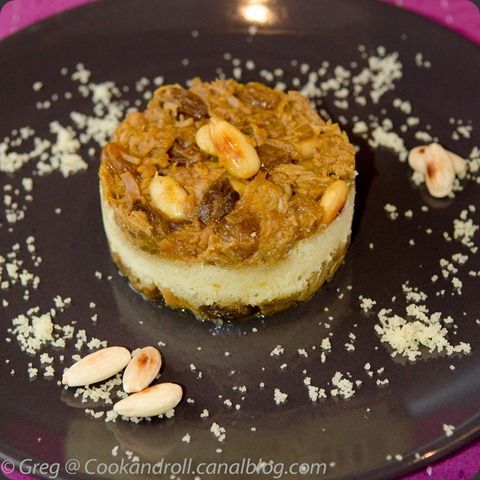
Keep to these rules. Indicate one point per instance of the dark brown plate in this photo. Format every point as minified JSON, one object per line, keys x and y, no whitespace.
{"x":123,"y":41}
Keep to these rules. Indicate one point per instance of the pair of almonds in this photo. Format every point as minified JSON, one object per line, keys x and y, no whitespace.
{"x":139,"y":373}
{"x":140,"y":370}
{"x":218,"y":138}
{"x":439,"y":167}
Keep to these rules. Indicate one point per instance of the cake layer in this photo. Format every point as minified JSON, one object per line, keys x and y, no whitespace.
{"x":218,"y":292}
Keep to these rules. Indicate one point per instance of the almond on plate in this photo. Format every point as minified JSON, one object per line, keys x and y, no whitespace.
{"x":97,"y":366}
{"x":153,"y":401}
{"x":142,"y":369}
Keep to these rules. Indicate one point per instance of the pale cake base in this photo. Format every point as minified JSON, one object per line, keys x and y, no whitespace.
{"x":226,"y":292}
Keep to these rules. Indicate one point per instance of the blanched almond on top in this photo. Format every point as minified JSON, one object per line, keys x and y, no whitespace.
{"x":307,"y":147}
{"x":234,"y":152}
{"x":169,"y":197}
{"x":97,"y":366}
{"x":333,"y":200}
{"x":439,"y":171}
{"x":152,"y":401}
{"x":204,"y":141}
{"x":142,"y":369}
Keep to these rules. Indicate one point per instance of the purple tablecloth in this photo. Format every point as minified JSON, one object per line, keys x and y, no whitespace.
{"x":460,"y":15}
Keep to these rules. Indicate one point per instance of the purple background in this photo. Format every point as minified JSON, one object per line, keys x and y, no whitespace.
{"x":460,"y":15}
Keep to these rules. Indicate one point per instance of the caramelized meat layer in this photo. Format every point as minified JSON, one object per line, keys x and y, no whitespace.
{"x":225,"y":220}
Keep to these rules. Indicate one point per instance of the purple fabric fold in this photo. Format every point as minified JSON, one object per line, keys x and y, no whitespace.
{"x":463,"y":16}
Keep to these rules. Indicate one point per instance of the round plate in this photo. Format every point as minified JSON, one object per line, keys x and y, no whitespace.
{"x":379,"y":432}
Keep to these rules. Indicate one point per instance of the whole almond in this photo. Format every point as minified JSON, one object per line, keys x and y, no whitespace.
{"x":142,"y":369}
{"x":459,"y":164}
{"x":204,"y":141}
{"x":169,"y":197}
{"x":416,"y":158}
{"x":333,"y":200}
{"x":152,"y":401}
{"x":235,"y":153}
{"x":439,"y":171}
{"x":97,"y":366}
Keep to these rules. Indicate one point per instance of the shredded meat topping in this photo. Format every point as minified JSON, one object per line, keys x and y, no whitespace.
{"x":229,"y":221}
